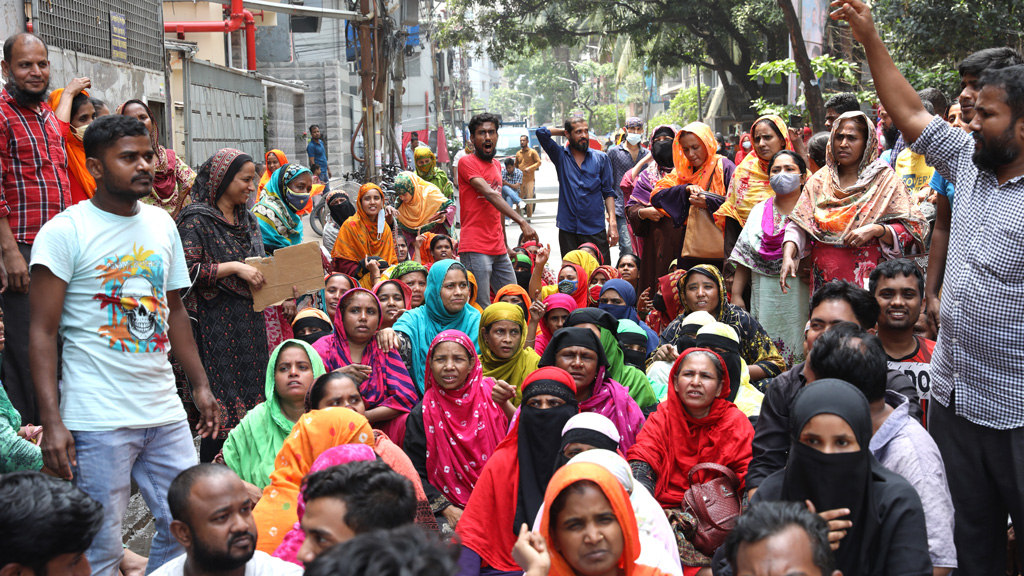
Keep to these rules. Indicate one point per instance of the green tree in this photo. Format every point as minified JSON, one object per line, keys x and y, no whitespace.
{"x":683,"y":108}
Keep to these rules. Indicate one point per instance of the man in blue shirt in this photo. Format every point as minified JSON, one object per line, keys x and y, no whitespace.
{"x":585,"y":190}
{"x":317,"y":151}
{"x":624,"y":157}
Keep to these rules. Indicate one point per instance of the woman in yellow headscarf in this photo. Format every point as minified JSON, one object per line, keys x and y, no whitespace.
{"x":422,"y":208}
{"x":74,"y":115}
{"x":426,"y":168}
{"x":274,"y":160}
{"x":576,"y":259}
{"x":363,"y":237}
{"x":749,"y":185}
{"x":503,"y":351}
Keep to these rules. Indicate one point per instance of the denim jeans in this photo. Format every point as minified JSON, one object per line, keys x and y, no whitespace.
{"x":108,"y":461}
{"x":625,"y":242}
{"x":490,"y":271}
{"x":510,"y":195}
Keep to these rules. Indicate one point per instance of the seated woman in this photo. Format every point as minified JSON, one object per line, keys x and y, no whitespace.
{"x":422,"y":208}
{"x":251,"y":447}
{"x":702,"y":288}
{"x":830,"y":464}
{"x":395,"y":298}
{"x":696,"y":425}
{"x":606,"y":328}
{"x":585,"y":431}
{"x":556,"y":309}
{"x":579,"y":352}
{"x":618,"y":298}
{"x":313,"y":434}
{"x":19,"y":448}
{"x":629,"y":269}
{"x":658,"y":370}
{"x":515,"y":294}
{"x":446,"y":308}
{"x":857,"y":211}
{"x":592,"y":249}
{"x":311,"y":324}
{"x":586,"y":497}
{"x":633,"y":341}
{"x":723,"y":340}
{"x":429,"y":248}
{"x":503,"y":351}
{"x":597,"y":279}
{"x":412,"y":274}
{"x":388,"y":390}
{"x":340,"y":208}
{"x":573,"y":276}
{"x":452,"y":433}
{"x":510,"y":489}
{"x":335,"y":285}
{"x":401,"y":248}
{"x":364,"y":235}
{"x":285,"y":194}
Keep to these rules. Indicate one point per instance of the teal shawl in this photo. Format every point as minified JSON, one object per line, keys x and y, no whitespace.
{"x":280,"y":224}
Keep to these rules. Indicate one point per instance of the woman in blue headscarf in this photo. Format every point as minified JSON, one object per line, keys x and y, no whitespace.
{"x":285,"y":194}
{"x":445,"y":307}
{"x":618,"y":298}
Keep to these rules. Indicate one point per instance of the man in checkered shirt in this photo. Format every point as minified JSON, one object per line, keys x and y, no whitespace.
{"x":977,"y":416}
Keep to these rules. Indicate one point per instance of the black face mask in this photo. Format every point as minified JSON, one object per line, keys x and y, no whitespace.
{"x":891,"y":136}
{"x":340,"y":211}
{"x":312,"y":337}
{"x":523,"y":279}
{"x":662,"y":152}
{"x":659,"y":303}
{"x":635,"y":358}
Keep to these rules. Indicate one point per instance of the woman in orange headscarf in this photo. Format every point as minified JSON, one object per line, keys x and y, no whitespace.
{"x":74,"y":114}
{"x":274,"y":160}
{"x":363,"y":237}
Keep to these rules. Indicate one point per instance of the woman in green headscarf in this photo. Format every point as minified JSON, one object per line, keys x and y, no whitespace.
{"x":253,"y":445}
{"x":285,"y":194}
{"x":426,"y":168}
{"x":422,"y":207}
{"x":635,"y":380}
{"x":503,"y":351}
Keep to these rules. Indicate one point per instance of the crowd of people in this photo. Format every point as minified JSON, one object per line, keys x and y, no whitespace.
{"x":803,"y":360}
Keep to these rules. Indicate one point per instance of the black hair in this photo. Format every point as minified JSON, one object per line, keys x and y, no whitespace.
{"x":769,"y":123}
{"x":1011,"y":80}
{"x":10,"y":42}
{"x":510,"y":161}
{"x":106,"y":130}
{"x":636,"y":259}
{"x":42,"y":517}
{"x":989,"y":59}
{"x":928,"y":106}
{"x":482,"y":118}
{"x":318,"y":390}
{"x":97,"y":103}
{"x":437,"y":238}
{"x":288,"y":345}
{"x":558,"y":504}
{"x":78,"y":101}
{"x":796,"y":158}
{"x":863,"y":303}
{"x":313,"y":126}
{"x":935,"y":96}
{"x":766,"y":519}
{"x":413,"y":134}
{"x":404,"y":551}
{"x":572,"y":120}
{"x":181,"y":487}
{"x":375,"y":496}
{"x":893,"y":268}
{"x":848,"y":352}
{"x":843,"y":102}
{"x":817,"y":146}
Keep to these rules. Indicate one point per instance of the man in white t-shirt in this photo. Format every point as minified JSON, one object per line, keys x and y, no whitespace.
{"x":213,"y":521}
{"x":106,"y":275}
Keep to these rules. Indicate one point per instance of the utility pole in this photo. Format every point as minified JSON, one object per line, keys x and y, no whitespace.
{"x":366,"y":69}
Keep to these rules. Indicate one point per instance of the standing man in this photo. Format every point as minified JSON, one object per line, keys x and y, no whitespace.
{"x":34,"y":188}
{"x":106,"y":276}
{"x":977,"y":410}
{"x":623,"y":158}
{"x":482,"y":250}
{"x":528,"y":161}
{"x":317,"y":151}
{"x":584,"y":188}
{"x":410,"y":151}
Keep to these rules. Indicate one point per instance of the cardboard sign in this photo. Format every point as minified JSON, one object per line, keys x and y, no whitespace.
{"x":299,"y":266}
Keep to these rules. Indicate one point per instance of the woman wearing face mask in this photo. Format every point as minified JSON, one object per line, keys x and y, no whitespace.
{"x":743,"y":149}
{"x":619,"y":299}
{"x":172,"y":179}
{"x":285,"y":194}
{"x":856,"y":211}
{"x":573,"y":277}
{"x":340,"y":208}
{"x":598,"y":279}
{"x":311,"y":324}
{"x":455,"y":430}
{"x":75,"y":111}
{"x":700,"y":180}
{"x":422,"y":207}
{"x":655,"y":238}
{"x":365,"y":234}
{"x":510,"y":489}
{"x":749,"y":186}
{"x":831,"y":466}
{"x":758,"y":259}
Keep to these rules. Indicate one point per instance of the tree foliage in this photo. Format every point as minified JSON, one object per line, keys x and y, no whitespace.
{"x":683,"y":108}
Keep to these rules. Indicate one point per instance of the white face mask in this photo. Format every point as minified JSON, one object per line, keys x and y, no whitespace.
{"x":80,"y":131}
{"x":633,"y":139}
{"x":746,"y":145}
{"x":784,"y":183}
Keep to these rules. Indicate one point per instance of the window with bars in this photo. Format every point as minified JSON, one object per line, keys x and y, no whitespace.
{"x":85,"y":27}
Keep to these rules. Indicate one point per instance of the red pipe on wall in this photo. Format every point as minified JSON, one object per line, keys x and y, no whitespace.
{"x":237,"y":18}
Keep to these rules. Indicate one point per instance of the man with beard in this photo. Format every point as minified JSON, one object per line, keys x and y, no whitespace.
{"x":106,"y":275}
{"x":977,"y":410}
{"x":213,"y":522}
{"x":482,"y":250}
{"x":34,"y":187}
{"x":585,"y":189}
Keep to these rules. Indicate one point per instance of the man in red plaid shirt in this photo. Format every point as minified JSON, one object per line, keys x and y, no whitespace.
{"x":33,"y":188}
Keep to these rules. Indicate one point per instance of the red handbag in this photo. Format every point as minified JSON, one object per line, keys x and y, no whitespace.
{"x":715,"y":505}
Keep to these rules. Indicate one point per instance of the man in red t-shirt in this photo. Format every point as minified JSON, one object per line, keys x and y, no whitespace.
{"x":482,"y":247}
{"x":898,"y":286}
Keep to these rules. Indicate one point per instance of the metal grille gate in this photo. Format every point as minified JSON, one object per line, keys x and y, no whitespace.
{"x":84,"y":26}
{"x":227,"y":111}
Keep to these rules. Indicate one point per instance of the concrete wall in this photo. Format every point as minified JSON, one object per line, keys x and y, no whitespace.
{"x":286,"y":122}
{"x":210,"y":44}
